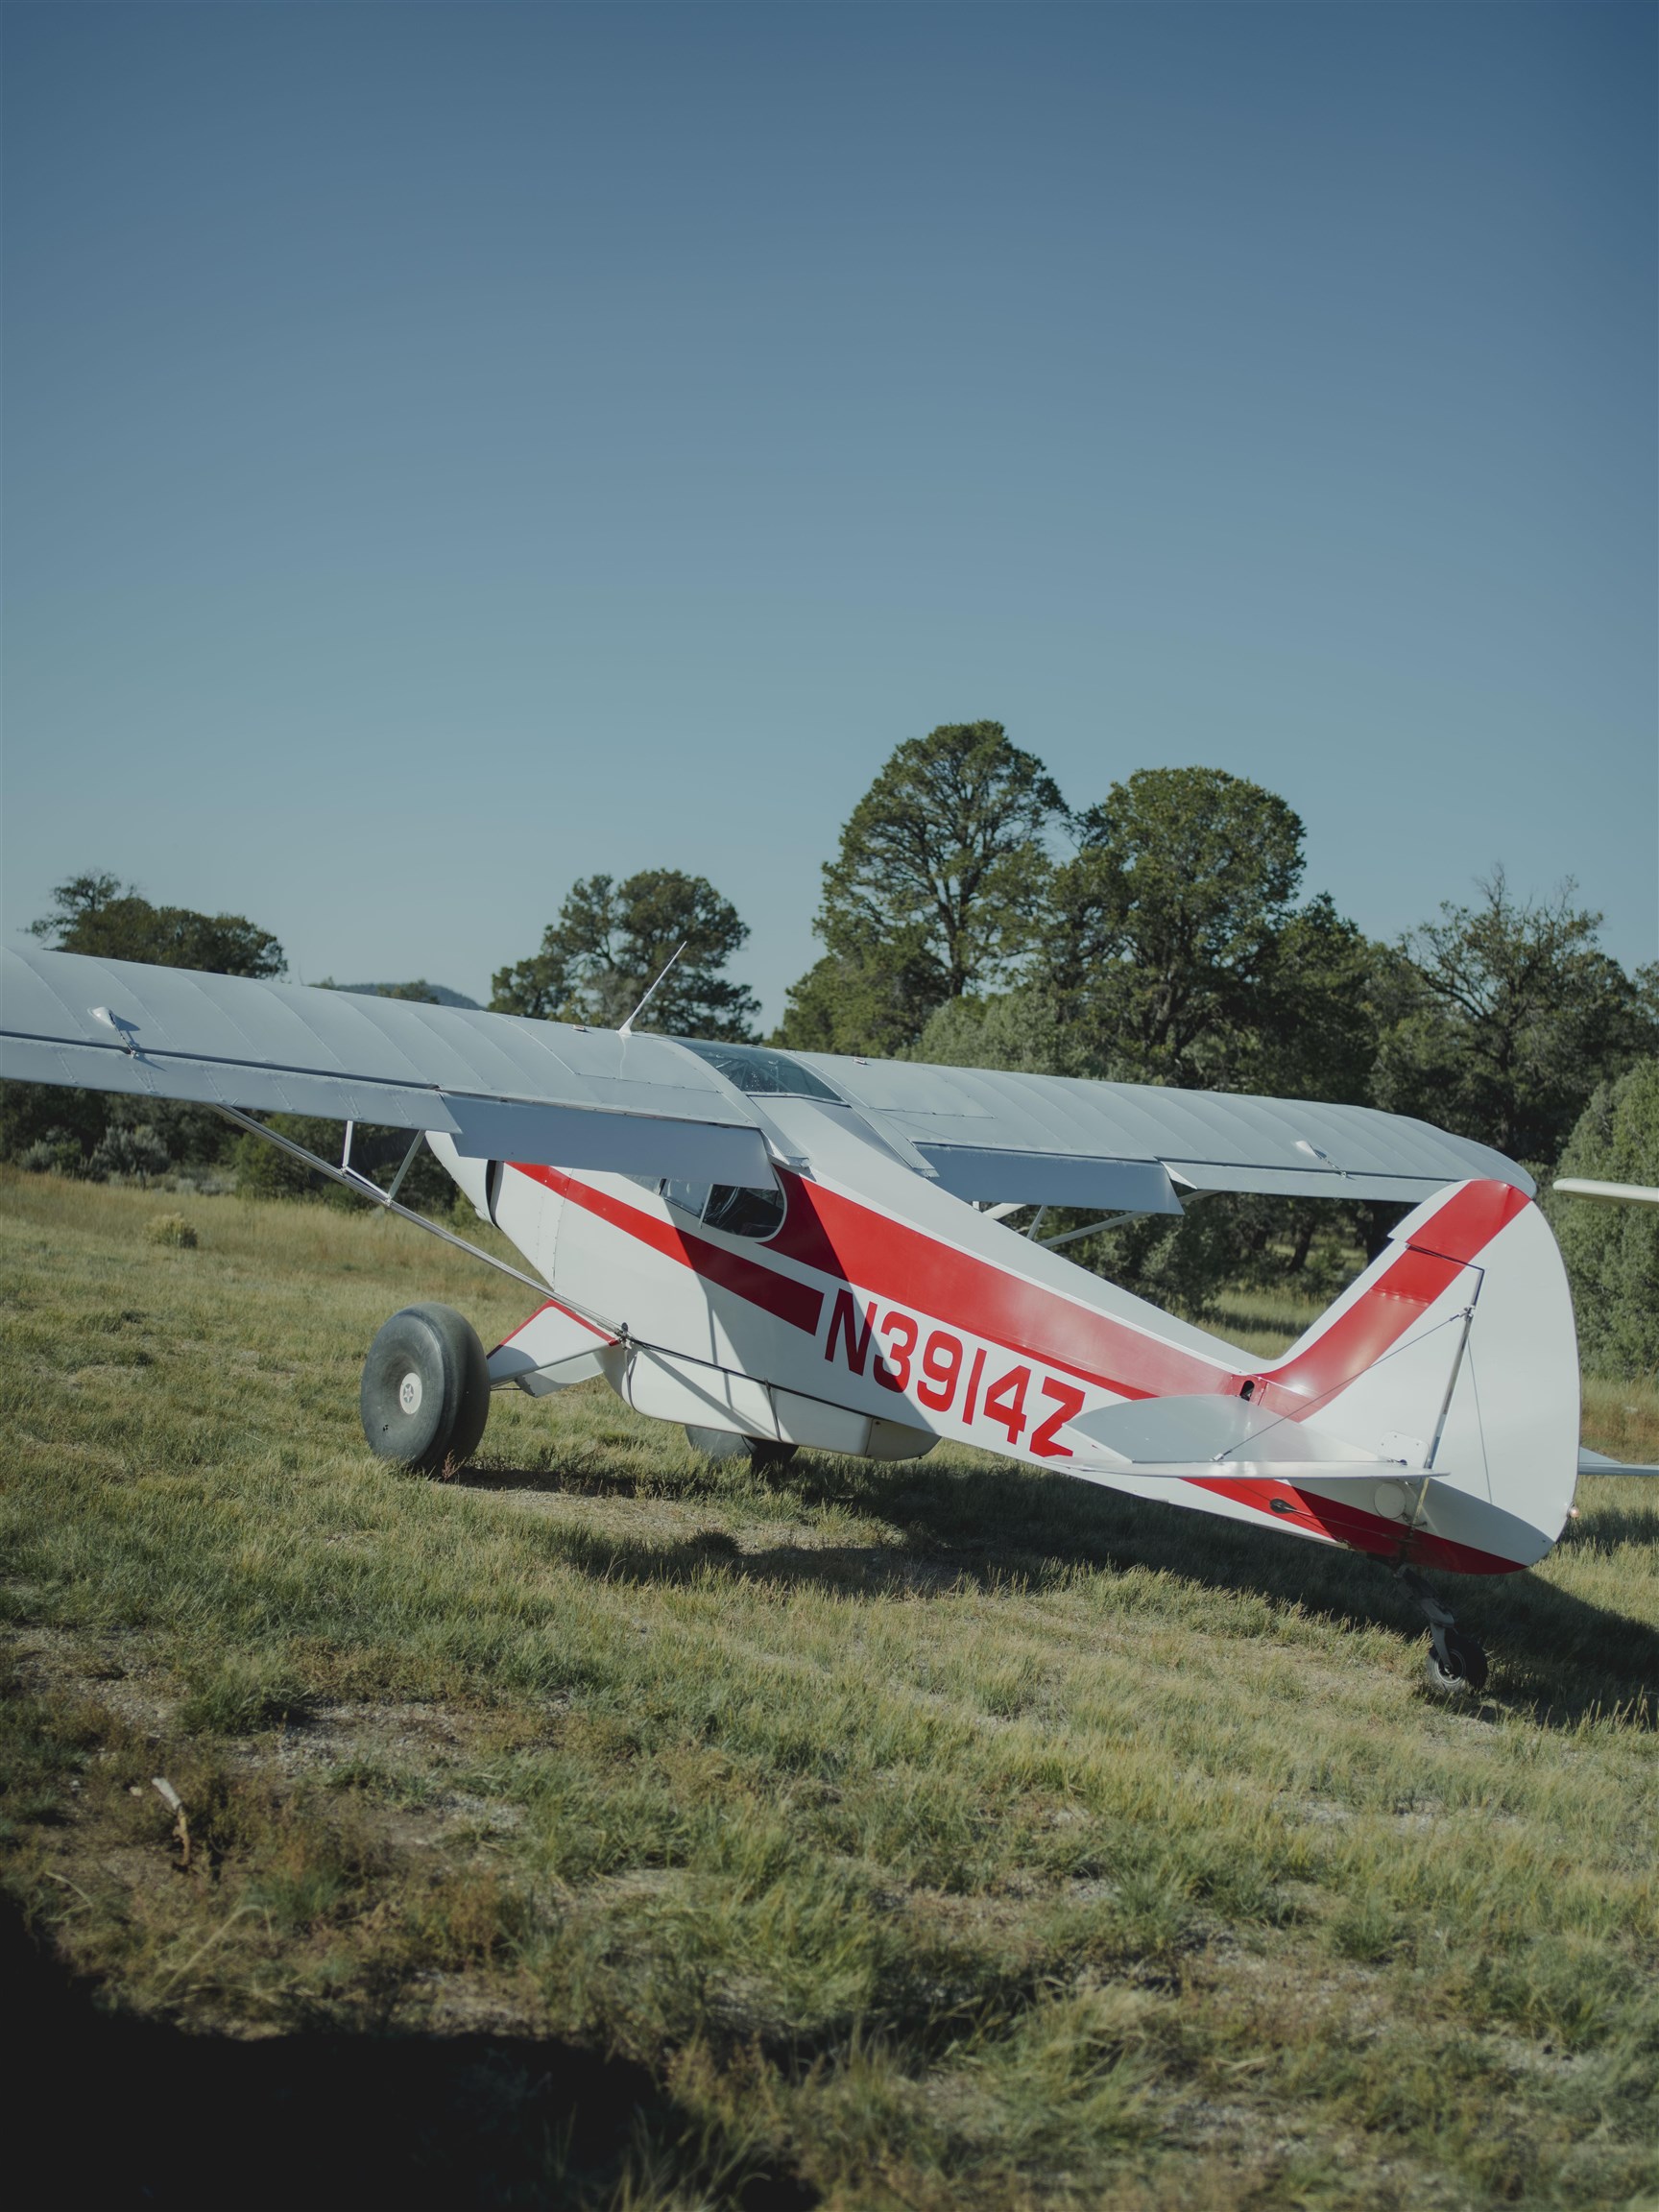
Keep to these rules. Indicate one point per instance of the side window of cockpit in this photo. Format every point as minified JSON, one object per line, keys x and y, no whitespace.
{"x":743,"y":1211}
{"x":735,"y":1209}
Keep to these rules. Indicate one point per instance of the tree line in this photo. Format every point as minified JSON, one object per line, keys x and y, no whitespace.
{"x":969,"y":916}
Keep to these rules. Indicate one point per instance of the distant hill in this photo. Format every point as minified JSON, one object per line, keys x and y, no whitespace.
{"x":429,"y":994}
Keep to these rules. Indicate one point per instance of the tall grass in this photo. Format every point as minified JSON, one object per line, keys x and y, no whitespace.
{"x":932,"y":1834}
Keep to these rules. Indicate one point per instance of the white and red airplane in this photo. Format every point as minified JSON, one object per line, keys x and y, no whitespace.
{"x":780,"y":1250}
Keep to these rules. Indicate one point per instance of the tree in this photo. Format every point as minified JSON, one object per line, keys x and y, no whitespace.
{"x":1175,"y":954}
{"x":89,"y":1132}
{"x":1501,"y":1017}
{"x":93,"y":914}
{"x":875,"y":999}
{"x":611,"y":940}
{"x":1612,"y":1252}
{"x":937,"y":889}
{"x":1171,"y":926}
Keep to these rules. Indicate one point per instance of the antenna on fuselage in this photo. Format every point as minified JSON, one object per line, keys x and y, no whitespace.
{"x":626,"y":1029}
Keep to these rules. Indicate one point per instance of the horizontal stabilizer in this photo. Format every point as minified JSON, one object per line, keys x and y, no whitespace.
{"x":1184,"y":1434}
{"x":1598,"y":1463}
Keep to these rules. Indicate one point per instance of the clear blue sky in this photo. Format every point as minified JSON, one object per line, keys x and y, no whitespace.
{"x":451,"y":449}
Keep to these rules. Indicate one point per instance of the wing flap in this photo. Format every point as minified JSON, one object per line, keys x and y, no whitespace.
{"x":1049,"y":1179}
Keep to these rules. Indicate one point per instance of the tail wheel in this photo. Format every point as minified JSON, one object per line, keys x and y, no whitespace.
{"x":1456,"y":1666}
{"x":425,"y":1394}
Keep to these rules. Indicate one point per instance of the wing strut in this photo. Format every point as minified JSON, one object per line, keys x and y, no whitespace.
{"x":373,"y":1191}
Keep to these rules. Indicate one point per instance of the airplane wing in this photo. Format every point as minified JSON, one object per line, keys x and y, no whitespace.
{"x":498,"y":1086}
{"x":1141,"y":1149}
{"x":502,"y":1087}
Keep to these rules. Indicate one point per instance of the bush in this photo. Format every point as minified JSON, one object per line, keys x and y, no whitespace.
{"x":172,"y":1229}
{"x":134,"y":1149}
{"x":56,"y":1153}
{"x":1612,"y":1252}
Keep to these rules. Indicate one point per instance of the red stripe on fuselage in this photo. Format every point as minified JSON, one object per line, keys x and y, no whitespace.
{"x":858,"y":1244}
{"x":854,"y":1243}
{"x":1353,"y":1526}
{"x":796,"y":1303}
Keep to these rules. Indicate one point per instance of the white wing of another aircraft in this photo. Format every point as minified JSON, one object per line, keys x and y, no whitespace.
{"x":1608,"y":1194}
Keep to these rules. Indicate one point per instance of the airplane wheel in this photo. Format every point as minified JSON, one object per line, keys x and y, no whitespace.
{"x":425,"y":1394}
{"x":1462,"y":1671}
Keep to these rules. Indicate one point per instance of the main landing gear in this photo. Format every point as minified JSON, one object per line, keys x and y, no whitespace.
{"x":1456,"y":1666}
{"x":425,"y":1394}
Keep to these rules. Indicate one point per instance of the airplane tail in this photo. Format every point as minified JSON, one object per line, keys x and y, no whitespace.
{"x":1430,"y":1414}
{"x":1455,"y":1355}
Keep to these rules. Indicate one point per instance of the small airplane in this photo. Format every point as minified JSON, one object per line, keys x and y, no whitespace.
{"x":778,"y":1249}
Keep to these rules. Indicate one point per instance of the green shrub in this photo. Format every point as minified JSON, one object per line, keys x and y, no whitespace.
{"x":1612,"y":1252}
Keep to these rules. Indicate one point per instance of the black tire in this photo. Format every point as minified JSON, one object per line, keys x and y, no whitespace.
{"x":425,"y":1394}
{"x":1463,"y":1672}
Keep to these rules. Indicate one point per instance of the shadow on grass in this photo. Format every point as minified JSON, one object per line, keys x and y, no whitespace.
{"x":1609,"y":1527}
{"x":108,"y":2111}
{"x":1556,"y":1658}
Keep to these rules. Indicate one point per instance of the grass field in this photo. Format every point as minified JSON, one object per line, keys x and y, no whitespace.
{"x":605,"y":1827}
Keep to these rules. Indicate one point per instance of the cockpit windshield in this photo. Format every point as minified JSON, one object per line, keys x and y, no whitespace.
{"x":760,"y":1071}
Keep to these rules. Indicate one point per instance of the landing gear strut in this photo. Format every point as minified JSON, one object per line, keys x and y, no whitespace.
{"x":1456,"y":1666}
